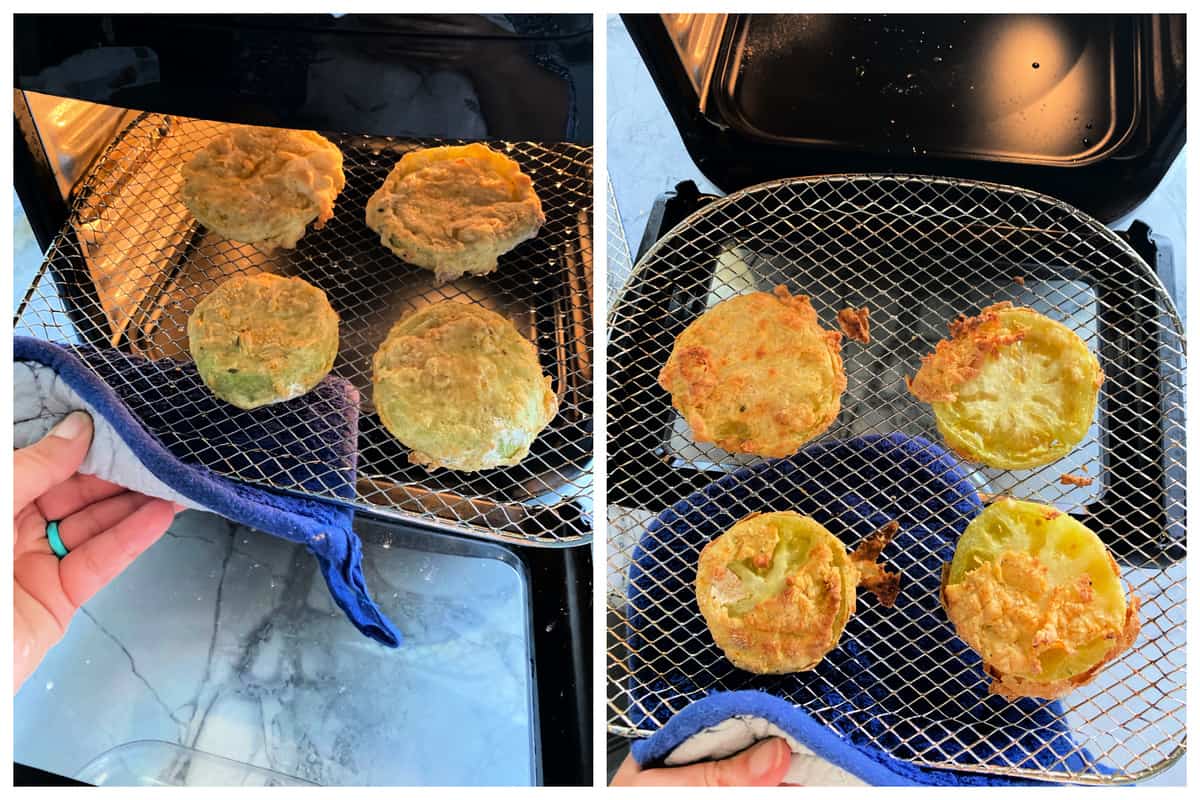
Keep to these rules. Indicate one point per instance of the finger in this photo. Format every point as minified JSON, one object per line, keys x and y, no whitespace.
{"x":100,"y":559}
{"x":38,"y":576}
{"x":49,"y":462}
{"x":76,"y":492}
{"x":28,"y":525}
{"x":764,"y":764}
{"x":99,"y":517}
{"x":627,"y":773}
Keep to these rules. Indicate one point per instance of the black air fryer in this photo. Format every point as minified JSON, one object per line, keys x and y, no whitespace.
{"x":876,"y":145}
{"x":351,"y":78}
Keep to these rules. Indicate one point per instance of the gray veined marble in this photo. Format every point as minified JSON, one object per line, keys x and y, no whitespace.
{"x":225,"y":641}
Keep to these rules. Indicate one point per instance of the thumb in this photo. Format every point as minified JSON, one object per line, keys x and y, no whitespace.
{"x":47,"y":463}
{"x":764,"y":764}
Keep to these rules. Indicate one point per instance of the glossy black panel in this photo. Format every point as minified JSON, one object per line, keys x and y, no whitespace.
{"x":516,"y":76}
{"x":811,"y":95}
{"x":1048,"y":89}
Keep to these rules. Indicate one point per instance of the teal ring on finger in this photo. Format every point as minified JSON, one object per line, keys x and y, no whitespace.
{"x":56,"y":542}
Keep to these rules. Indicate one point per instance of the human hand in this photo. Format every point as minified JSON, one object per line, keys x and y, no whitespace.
{"x":104,"y":527}
{"x":764,"y":764}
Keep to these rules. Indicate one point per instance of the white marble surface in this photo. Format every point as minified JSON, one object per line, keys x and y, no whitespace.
{"x":225,"y":640}
{"x":646,"y":157}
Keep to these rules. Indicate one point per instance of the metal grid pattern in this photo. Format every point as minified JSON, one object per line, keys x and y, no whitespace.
{"x":132,"y":263}
{"x":918,"y":251}
{"x":618,"y":248}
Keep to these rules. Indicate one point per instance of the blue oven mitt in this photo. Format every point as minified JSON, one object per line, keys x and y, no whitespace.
{"x":152,"y":416}
{"x":899,"y":685}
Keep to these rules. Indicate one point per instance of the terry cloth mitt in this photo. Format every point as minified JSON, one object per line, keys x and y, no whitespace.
{"x":899,"y":685}
{"x":159,"y":430}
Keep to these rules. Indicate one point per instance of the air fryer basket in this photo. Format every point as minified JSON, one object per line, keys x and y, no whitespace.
{"x":918,"y":251}
{"x":131,"y":263}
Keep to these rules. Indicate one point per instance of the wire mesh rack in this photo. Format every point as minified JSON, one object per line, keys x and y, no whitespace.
{"x":132,"y":263}
{"x":617,"y":252}
{"x":917,"y":251}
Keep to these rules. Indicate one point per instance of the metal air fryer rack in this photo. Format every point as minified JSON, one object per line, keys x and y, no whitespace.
{"x":131,"y":263}
{"x":918,"y":251}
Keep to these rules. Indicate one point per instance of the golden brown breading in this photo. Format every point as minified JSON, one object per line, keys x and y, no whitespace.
{"x":777,"y":589}
{"x":1039,"y":597}
{"x":262,"y":339}
{"x":757,"y":374}
{"x":1011,"y":388}
{"x":873,"y":577}
{"x":263,"y":186}
{"x":455,"y":210}
{"x":1075,"y":480}
{"x":461,"y":387}
{"x":856,"y":324}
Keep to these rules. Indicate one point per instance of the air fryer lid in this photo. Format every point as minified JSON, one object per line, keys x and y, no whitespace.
{"x":1042,"y":90}
{"x":1088,"y":108}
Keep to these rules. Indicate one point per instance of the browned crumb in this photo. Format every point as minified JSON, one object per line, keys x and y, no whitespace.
{"x":855,"y":324}
{"x":1075,"y":480}
{"x":870,"y":548}
{"x":986,"y":498}
{"x":873,"y":577}
{"x":1019,"y":280}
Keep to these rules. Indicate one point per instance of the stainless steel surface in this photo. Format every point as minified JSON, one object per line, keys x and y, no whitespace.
{"x":618,"y":249}
{"x":150,"y":262}
{"x":871,"y":240}
{"x":697,"y":39}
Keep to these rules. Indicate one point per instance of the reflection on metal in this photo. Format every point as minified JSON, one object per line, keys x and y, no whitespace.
{"x":696,"y":38}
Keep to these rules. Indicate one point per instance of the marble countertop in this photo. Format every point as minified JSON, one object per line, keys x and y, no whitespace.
{"x":225,"y":641}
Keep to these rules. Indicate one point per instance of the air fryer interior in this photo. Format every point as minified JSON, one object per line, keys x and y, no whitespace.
{"x":131,"y":264}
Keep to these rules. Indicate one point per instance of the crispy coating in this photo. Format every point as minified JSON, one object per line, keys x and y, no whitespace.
{"x":776,"y":591}
{"x":885,"y":585}
{"x":461,"y":387}
{"x":455,"y":210}
{"x":262,"y":339}
{"x":1011,"y":388}
{"x":263,"y":186}
{"x":1075,"y":480}
{"x":856,"y":324}
{"x":1039,"y":597}
{"x":757,"y":374}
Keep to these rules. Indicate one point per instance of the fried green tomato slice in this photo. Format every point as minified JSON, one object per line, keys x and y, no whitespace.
{"x":1011,"y":388}
{"x":757,"y":374}
{"x":1038,"y":596}
{"x":261,"y":339}
{"x":263,"y":186}
{"x":455,"y":210}
{"x":462,"y":388}
{"x":777,"y":589}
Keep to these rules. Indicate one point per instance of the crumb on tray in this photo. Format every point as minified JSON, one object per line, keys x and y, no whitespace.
{"x":1075,"y":480}
{"x":856,"y":324}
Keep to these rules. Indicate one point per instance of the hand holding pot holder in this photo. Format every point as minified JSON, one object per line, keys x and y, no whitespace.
{"x":147,"y":413}
{"x":899,"y":684}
